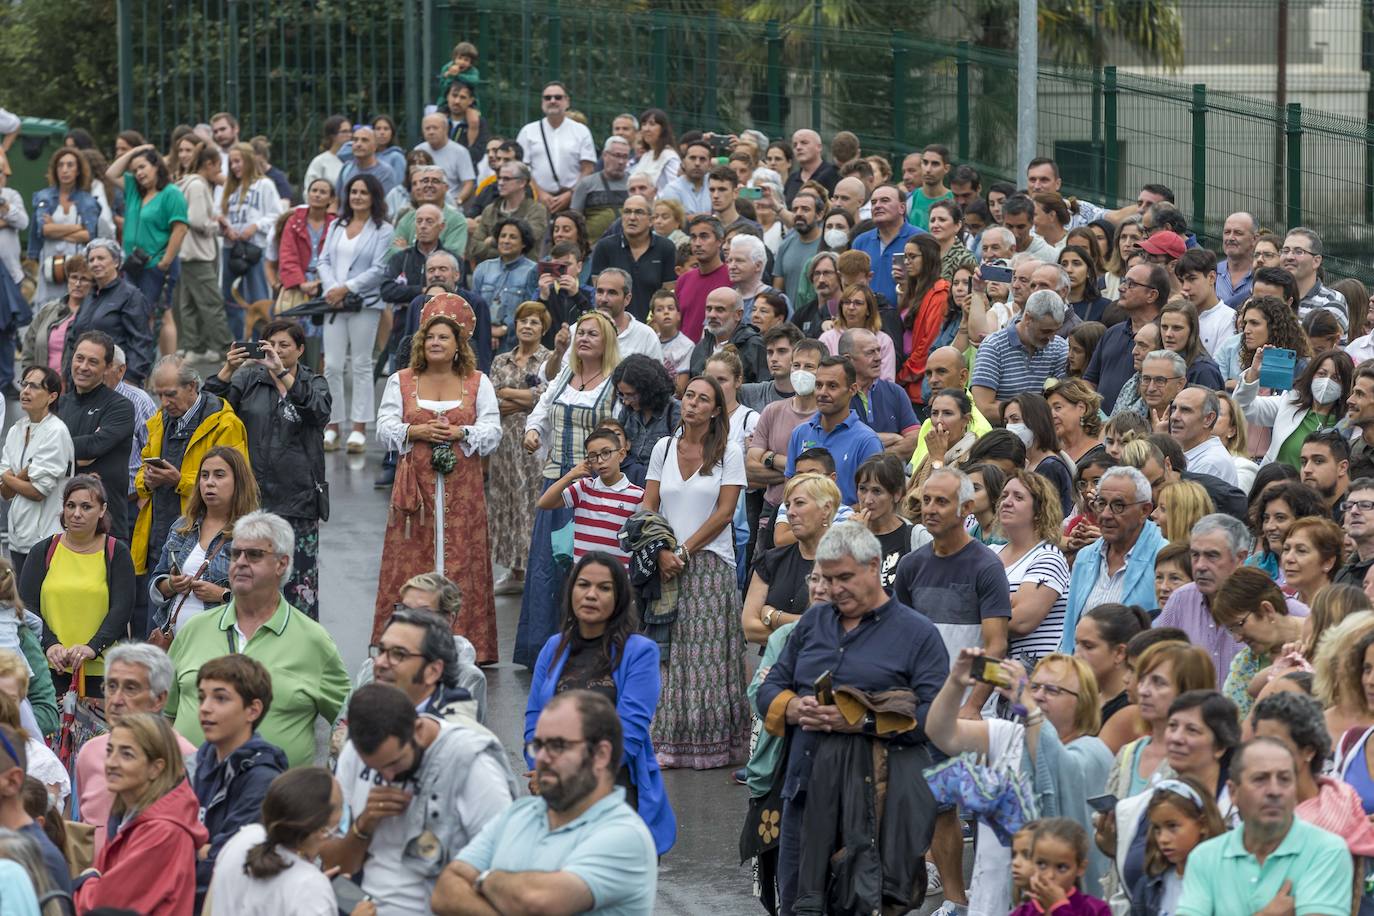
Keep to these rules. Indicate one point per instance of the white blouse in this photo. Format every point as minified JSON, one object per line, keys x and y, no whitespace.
{"x":687,"y":504}
{"x":481,"y":438}
{"x":662,"y":168}
{"x":46,"y":450}
{"x":559,"y":391}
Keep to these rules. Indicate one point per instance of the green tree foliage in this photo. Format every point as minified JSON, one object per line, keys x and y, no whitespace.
{"x":59,"y":60}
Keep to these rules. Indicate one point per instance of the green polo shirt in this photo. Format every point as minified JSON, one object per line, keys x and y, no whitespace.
{"x":1223,"y":879}
{"x":454,"y":237}
{"x":308,"y":676}
{"x":149,"y":226}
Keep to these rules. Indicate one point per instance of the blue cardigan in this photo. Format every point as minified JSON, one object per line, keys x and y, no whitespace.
{"x":637,"y":689}
{"x":1138,"y":589}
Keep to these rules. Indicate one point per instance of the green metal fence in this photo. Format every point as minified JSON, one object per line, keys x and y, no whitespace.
{"x":285,"y":65}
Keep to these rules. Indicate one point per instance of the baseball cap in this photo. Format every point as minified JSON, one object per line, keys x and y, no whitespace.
{"x":1166,"y":243}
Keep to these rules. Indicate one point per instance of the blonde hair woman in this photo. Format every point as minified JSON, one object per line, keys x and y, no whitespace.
{"x":1181,"y":504}
{"x":1339,"y":664}
{"x":777,"y":588}
{"x":1033,"y":523}
{"x":1231,"y":430}
{"x":1077,"y":413}
{"x":858,"y":308}
{"x":149,"y":864}
{"x":249,"y":209}
{"x":579,"y":396}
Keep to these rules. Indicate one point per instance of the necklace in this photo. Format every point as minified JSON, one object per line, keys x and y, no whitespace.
{"x":588,"y":381}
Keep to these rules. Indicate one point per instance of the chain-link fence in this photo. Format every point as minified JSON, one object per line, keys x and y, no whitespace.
{"x":1209,"y":128}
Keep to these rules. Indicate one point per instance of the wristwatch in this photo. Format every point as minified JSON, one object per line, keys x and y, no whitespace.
{"x":480,"y":880}
{"x":284,"y":373}
{"x":768,"y":460}
{"x":768,"y":617}
{"x":936,"y":465}
{"x":227,"y":596}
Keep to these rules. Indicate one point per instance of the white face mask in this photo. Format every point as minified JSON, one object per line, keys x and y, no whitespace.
{"x":803,"y":382}
{"x":1022,"y":432}
{"x":836,"y":238}
{"x":1326,"y":390}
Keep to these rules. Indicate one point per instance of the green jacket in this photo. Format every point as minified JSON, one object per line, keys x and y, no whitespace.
{"x":308,"y":676}
{"x":42,"y":695}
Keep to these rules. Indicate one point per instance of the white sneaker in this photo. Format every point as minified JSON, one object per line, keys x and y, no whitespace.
{"x":331,"y":440}
{"x":357,"y":443}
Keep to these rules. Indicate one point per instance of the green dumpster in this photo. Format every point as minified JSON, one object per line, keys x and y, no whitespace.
{"x":29,"y":155}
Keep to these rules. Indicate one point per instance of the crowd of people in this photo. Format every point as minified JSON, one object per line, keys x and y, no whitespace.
{"x":940,"y":511}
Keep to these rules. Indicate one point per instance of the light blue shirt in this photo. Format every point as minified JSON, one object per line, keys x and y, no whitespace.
{"x":608,"y":847}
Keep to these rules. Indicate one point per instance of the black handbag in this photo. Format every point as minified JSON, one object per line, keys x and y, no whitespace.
{"x":242,"y":256}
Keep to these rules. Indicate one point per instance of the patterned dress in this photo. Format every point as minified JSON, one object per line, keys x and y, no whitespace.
{"x":419,"y":498}
{"x":515,"y":477}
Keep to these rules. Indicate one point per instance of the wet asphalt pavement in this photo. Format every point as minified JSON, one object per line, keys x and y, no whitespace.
{"x":701,"y":874}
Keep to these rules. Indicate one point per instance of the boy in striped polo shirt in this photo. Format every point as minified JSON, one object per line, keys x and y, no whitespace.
{"x":599,"y":494}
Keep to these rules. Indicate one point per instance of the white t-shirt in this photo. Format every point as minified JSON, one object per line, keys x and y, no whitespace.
{"x":300,"y":890}
{"x":677,"y":354}
{"x":456,"y":162}
{"x":189,"y":567}
{"x":398,"y":890}
{"x":686,"y":504}
{"x":1043,"y":564}
{"x":1215,"y":325}
{"x":638,"y":337}
{"x":45,"y":767}
{"x":570,"y":144}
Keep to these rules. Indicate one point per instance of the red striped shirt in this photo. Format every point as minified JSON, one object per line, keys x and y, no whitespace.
{"x":599,"y":511}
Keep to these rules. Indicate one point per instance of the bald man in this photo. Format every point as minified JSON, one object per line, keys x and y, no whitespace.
{"x":452,"y":157}
{"x":852,"y":195}
{"x":947,"y":368}
{"x":365,"y":162}
{"x":725,"y":324}
{"x":806,"y":146}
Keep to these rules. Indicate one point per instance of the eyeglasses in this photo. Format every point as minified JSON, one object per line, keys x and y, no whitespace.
{"x":1235,"y":627}
{"x":251,"y":554}
{"x":556,"y":747}
{"x":634,"y":211}
{"x":1117,"y":506}
{"x":1053,"y":691}
{"x":1128,"y":283}
{"x":394,"y":654}
{"x":1149,"y":381}
{"x":1295,"y":252}
{"x":1364,"y":505}
{"x":604,"y":455}
{"x":31,"y":386}
{"x":862,"y":303}
{"x":128,"y":688}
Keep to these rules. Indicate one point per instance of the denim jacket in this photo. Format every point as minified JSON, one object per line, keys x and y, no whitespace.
{"x":505,"y":286}
{"x":45,"y":201}
{"x":180,"y":545}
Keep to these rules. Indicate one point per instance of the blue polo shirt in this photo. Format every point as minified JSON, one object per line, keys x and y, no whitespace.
{"x":1112,"y":364}
{"x":1223,"y":879}
{"x":886,"y":408}
{"x":608,"y":847}
{"x":850,"y":443}
{"x":881,"y":255}
{"x":1233,"y":295}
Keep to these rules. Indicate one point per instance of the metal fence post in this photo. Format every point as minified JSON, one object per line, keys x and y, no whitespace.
{"x":1199,"y":111}
{"x":659,"y":29}
{"x":1369,"y":171}
{"x":816,"y":64}
{"x":899,"y":81}
{"x":710,"y":105}
{"x":1110,"y":150}
{"x":555,"y":65}
{"x":1293,"y":131}
{"x":774,"y":40}
{"x":231,"y":85}
{"x":410,"y":38}
{"x":961,"y":68}
{"x":124,"y":18}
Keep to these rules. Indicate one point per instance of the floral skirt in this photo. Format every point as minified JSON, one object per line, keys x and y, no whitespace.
{"x":302,"y":589}
{"x":703,"y":713}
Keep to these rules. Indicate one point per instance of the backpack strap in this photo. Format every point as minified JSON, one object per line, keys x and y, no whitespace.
{"x":52,"y":548}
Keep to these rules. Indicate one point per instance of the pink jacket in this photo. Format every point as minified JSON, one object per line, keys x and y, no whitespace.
{"x":150,"y":865}
{"x":293,"y":253}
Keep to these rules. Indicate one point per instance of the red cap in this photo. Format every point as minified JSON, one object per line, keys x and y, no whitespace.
{"x":1165,"y":242}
